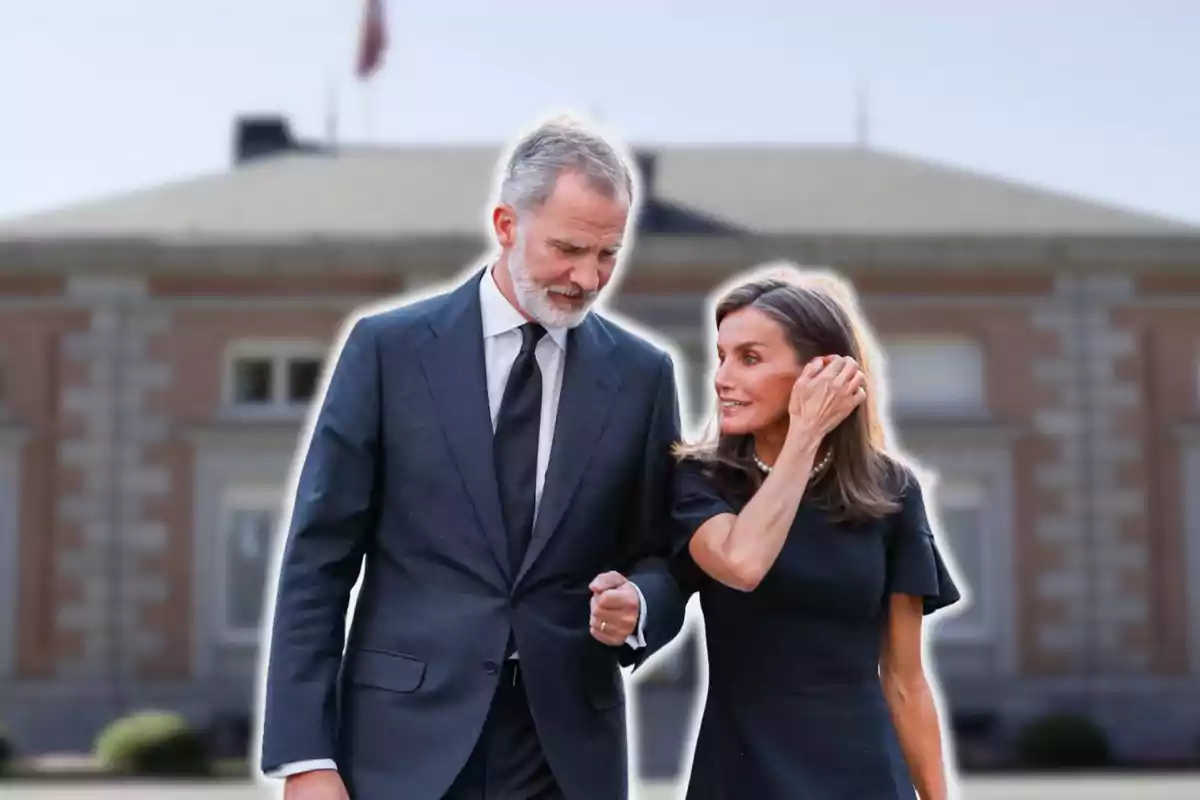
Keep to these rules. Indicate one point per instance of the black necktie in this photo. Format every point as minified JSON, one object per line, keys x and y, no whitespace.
{"x":516,"y":445}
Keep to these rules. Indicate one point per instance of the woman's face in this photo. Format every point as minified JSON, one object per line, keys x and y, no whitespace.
{"x":756,"y":370}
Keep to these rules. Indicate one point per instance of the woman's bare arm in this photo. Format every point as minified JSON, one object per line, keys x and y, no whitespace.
{"x":738,"y":550}
{"x":910,"y":699}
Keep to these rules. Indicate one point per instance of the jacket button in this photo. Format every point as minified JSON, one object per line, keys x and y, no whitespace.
{"x":492,"y":667}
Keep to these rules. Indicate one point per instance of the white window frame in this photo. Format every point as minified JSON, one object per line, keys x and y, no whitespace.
{"x":966,"y":493}
{"x":991,"y":465}
{"x":975,"y":407}
{"x":242,"y":498}
{"x":279,"y":352}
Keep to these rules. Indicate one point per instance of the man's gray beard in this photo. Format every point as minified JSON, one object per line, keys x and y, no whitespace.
{"x":535,"y":299}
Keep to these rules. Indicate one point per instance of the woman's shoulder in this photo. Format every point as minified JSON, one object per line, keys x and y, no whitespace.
{"x":698,"y":469}
{"x":705,"y":474}
{"x":909,"y":487}
{"x":901,"y":482}
{"x":898,"y":476}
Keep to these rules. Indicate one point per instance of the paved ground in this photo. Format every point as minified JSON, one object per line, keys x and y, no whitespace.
{"x":1141,"y":788}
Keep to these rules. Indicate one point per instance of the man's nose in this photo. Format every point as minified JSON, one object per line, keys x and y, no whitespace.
{"x":586,"y":278}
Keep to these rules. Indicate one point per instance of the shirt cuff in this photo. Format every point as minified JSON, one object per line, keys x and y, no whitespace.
{"x":296,"y":767}
{"x":637,"y":639}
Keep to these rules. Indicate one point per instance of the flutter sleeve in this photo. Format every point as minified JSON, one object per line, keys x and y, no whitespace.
{"x":914,"y":564}
{"x":696,"y":500}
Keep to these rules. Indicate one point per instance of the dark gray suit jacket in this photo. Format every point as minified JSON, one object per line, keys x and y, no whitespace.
{"x":399,"y":471}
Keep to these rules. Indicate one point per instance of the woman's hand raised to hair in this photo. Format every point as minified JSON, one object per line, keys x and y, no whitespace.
{"x":827,"y":391}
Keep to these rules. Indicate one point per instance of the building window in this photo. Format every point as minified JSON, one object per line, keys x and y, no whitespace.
{"x":935,"y":375}
{"x":273,"y":376}
{"x":248,"y":519}
{"x":961,"y":512}
{"x":252,"y":380}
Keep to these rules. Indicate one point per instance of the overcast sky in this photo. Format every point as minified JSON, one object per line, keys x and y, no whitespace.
{"x":1095,"y":98}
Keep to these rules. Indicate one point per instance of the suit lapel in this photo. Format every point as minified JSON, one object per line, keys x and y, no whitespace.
{"x":455,"y":368}
{"x":589,"y":386}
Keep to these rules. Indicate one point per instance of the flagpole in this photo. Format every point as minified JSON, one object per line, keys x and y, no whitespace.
{"x":862,"y":113}
{"x":366,"y":110}
{"x":331,"y":110}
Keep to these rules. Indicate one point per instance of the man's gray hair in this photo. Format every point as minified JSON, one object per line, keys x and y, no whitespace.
{"x":556,"y":146}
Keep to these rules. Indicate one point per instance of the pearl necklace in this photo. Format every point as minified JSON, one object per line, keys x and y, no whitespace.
{"x":822,"y":464}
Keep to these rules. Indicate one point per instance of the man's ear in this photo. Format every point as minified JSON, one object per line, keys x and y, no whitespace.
{"x":504,"y":223}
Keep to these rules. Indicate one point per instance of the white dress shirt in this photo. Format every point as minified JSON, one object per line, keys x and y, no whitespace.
{"x":501,"y":345}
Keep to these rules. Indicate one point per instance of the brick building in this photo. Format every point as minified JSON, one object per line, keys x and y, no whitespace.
{"x":159,"y":351}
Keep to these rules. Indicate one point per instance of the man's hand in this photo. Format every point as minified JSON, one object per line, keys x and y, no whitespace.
{"x":615,"y":608}
{"x":320,"y":784}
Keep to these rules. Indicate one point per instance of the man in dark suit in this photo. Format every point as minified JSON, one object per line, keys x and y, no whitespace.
{"x":499,"y":455}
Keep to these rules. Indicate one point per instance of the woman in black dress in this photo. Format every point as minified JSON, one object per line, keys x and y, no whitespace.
{"x":815,"y":563}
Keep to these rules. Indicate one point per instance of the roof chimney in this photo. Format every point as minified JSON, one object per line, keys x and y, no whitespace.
{"x":258,"y":136}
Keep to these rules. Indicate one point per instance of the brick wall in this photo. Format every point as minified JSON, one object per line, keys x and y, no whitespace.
{"x":1091,"y":372}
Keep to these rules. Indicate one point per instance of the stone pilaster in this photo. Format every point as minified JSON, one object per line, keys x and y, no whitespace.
{"x":1115,"y":453}
{"x":1089,"y":493}
{"x":109,"y":428}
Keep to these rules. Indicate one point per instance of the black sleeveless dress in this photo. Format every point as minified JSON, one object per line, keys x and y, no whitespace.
{"x":794,"y":708}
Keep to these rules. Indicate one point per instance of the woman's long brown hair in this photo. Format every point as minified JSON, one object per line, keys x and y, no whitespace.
{"x":818,"y":315}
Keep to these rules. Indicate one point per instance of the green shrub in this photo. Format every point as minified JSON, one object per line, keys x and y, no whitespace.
{"x":152,"y":743}
{"x":1062,"y":741}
